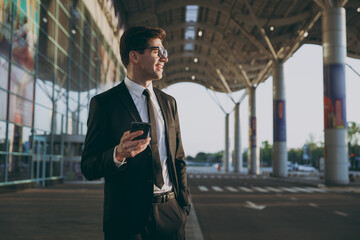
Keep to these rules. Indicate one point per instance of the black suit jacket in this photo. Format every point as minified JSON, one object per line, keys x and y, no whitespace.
{"x":129,"y":189}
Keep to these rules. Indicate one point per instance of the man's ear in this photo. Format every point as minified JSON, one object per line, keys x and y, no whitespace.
{"x":133,"y":56}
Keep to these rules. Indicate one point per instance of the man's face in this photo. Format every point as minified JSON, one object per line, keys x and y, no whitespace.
{"x":150,"y":64}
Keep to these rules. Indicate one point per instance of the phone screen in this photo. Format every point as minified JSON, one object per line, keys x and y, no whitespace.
{"x":136,"y":126}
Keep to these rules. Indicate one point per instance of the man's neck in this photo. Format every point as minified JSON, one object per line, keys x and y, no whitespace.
{"x":138,"y":79}
{"x":142,"y":83}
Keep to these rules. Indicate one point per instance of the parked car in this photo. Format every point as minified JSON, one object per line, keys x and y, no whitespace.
{"x":303,"y":168}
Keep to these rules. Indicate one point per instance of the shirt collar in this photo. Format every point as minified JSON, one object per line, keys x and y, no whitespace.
{"x":137,"y":89}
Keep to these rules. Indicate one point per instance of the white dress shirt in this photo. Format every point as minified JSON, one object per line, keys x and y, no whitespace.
{"x":136,"y":92}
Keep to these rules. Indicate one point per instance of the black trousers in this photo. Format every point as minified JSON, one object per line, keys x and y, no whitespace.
{"x":166,"y":222}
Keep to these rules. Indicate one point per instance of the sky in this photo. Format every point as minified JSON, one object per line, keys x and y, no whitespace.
{"x":203,"y":122}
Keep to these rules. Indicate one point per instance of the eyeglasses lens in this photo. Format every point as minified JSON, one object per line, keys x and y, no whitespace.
{"x":163,"y":52}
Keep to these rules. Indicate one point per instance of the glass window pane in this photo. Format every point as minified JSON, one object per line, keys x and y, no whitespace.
{"x":63,"y":18}
{"x":47,"y":24}
{"x":86,"y":55}
{"x":20,"y":110}
{"x":42,"y":118}
{"x":44,"y":93}
{"x":19,"y":167}
{"x":63,"y":39}
{"x":3,"y":105}
{"x":5,"y":36}
{"x":25,"y":33}
{"x":2,"y":136}
{"x":4,"y":64}
{"x":60,"y":93}
{"x":19,"y":138}
{"x":62,"y":60}
{"x":22,"y":83}
{"x":47,"y":47}
{"x":85,"y":78}
{"x":59,"y":124}
{"x":2,"y":167}
{"x":45,"y":68}
{"x":75,"y":54}
{"x":73,"y":96}
{"x":75,"y":73}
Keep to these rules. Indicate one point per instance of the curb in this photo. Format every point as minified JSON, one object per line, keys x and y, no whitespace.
{"x":192,"y":227}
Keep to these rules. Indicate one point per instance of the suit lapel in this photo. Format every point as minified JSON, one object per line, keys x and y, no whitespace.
{"x":128,"y":102}
{"x":166,"y":112}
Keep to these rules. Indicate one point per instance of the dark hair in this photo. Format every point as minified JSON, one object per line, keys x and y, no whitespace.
{"x":137,"y":37}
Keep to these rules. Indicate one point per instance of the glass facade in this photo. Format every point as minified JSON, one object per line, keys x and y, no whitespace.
{"x":53,"y":59}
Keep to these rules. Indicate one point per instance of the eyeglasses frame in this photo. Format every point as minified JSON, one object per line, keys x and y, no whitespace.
{"x":161,"y":53}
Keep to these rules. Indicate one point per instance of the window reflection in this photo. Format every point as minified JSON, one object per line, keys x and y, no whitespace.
{"x":20,"y":110}
{"x":2,"y":167}
{"x":2,"y":136}
{"x":25,"y":33}
{"x":19,"y":138}
{"x":42,"y":118}
{"x":67,"y":36}
{"x":5,"y":26}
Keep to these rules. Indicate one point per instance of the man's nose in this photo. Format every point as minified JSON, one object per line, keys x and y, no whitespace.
{"x":163,"y":58}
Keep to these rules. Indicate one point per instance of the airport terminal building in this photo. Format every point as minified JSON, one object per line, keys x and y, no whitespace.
{"x":54,"y":56}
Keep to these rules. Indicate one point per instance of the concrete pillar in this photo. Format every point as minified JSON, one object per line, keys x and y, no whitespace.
{"x":334,"y":54}
{"x":253,"y":159}
{"x":227,"y":145}
{"x":279,"y":152}
{"x":238,"y":162}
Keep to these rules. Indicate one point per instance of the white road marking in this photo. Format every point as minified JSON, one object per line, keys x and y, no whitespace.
{"x":231,"y":189}
{"x":203,"y":188}
{"x":191,"y":176}
{"x":313,"y":205}
{"x":217,"y":189}
{"x":259,"y":189}
{"x":245,"y":189}
{"x":288,"y":189}
{"x":254,"y":206}
{"x":274,"y":189}
{"x":316,"y":189}
{"x":303,"y":189}
{"x":341,"y":213}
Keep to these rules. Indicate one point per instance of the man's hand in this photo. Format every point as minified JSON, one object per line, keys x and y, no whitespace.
{"x":128,"y":148}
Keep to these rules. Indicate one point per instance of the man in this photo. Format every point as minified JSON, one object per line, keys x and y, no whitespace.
{"x":146,"y":194}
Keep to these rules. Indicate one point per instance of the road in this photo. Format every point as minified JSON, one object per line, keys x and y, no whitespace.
{"x":239,"y":206}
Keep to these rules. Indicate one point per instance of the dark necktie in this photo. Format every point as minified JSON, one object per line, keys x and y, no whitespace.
{"x":158,"y":178}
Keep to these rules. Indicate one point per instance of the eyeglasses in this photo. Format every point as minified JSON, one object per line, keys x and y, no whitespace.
{"x":162,"y":52}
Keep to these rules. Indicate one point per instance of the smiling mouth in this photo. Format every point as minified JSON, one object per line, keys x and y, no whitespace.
{"x":159,"y":67}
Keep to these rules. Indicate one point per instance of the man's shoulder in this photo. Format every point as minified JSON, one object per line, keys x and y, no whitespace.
{"x":108,"y":94}
{"x":162,"y":94}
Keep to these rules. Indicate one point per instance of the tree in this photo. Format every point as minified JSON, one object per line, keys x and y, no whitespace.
{"x":201,"y":157}
{"x":266,"y":153}
{"x":353,"y":138}
{"x":353,"y":133}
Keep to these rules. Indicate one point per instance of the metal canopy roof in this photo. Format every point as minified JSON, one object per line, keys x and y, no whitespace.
{"x":240,"y":39}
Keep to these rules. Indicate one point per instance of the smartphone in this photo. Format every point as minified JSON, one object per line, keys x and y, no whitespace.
{"x":144,"y":126}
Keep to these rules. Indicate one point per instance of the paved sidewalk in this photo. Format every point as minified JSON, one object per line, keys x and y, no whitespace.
{"x":64,"y":211}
